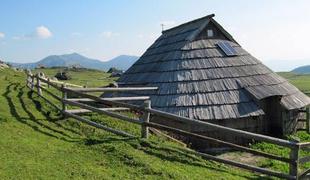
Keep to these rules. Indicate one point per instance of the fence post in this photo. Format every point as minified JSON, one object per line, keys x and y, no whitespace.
{"x":28,"y":80}
{"x":64,"y":96}
{"x":39,"y":84}
{"x":294,"y":156}
{"x":308,"y":119}
{"x":48,"y":82}
{"x":145,"y":118}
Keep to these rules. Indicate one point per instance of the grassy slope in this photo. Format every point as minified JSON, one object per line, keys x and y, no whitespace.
{"x":300,"y":81}
{"x":36,"y":144}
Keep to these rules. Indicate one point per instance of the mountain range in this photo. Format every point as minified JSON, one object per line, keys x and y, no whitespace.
{"x":302,"y":70}
{"x":122,"y":62}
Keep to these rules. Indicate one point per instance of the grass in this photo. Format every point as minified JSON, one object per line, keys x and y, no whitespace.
{"x":87,"y":77}
{"x":35,"y":143}
{"x":302,"y":81}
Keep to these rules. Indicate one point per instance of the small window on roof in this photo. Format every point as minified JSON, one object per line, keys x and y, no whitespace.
{"x":227,"y":49}
{"x":210,"y":33}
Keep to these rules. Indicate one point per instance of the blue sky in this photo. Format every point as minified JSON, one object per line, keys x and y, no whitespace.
{"x":276,"y":32}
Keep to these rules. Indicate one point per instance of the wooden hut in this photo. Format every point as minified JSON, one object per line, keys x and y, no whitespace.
{"x":202,"y":72}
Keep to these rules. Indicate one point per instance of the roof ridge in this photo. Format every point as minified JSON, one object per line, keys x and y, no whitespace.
{"x":205,"y":17}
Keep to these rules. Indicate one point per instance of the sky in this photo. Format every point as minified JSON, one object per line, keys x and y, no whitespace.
{"x":274,"y":31}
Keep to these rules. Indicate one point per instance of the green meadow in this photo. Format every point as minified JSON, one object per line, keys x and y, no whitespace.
{"x":37,"y":143}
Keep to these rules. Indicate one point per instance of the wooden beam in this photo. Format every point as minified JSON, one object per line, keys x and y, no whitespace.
{"x":308,"y":119}
{"x":234,"y":146}
{"x":135,"y":98}
{"x":97,"y":110}
{"x":80,"y":111}
{"x":120,"y":89}
{"x":223,"y":129}
{"x":294,"y":166}
{"x":145,"y":118}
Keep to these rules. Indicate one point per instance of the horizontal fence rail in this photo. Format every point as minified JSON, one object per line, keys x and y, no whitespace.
{"x":112,"y":105}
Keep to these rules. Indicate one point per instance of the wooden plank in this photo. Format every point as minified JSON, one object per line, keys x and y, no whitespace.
{"x":123,"y":89}
{"x":304,"y":146}
{"x":233,"y":163}
{"x":234,"y":146}
{"x":224,"y":129}
{"x":308,"y":119}
{"x":145,"y":118}
{"x":51,"y":84}
{"x":137,"y":98}
{"x":97,"y":110}
{"x":80,"y":111}
{"x":97,"y":125}
{"x":305,"y":174}
{"x":243,"y":166}
{"x":236,"y":132}
{"x":38,"y":85}
{"x":295,"y":164}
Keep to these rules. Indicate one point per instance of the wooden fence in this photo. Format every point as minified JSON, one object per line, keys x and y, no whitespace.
{"x":117,"y":104}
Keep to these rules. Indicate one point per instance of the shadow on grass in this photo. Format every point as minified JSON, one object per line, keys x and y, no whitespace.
{"x":150,"y":148}
{"x":34,"y":124}
{"x":176,"y":154}
{"x":39,"y":108}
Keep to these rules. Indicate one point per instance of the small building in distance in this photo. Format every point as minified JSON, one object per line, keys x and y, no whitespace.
{"x":115,"y":72}
{"x":203,"y":73}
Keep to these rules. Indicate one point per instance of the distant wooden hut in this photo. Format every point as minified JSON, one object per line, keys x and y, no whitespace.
{"x":203,"y":73}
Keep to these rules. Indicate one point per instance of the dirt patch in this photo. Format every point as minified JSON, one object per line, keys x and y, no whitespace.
{"x":246,"y":158}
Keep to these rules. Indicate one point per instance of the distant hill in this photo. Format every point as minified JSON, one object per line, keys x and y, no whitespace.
{"x":120,"y":62}
{"x":302,"y":70}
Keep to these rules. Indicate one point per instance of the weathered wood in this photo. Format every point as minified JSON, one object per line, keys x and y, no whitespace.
{"x":114,"y":89}
{"x":51,"y":84}
{"x":137,"y":98}
{"x":305,"y":174}
{"x":32,"y":82}
{"x":236,"y":132}
{"x":243,"y":166}
{"x":64,"y":97}
{"x":308,"y":119}
{"x":67,"y":84}
{"x":294,"y":164}
{"x":97,"y":125}
{"x":237,"y":164}
{"x":97,"y":110}
{"x":234,"y":146}
{"x":80,"y":111}
{"x":39,"y":85}
{"x":145,"y":118}
{"x":304,"y":146}
{"x":224,"y":129}
{"x":48,"y":82}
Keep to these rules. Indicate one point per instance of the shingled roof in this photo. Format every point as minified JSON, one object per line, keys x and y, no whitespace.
{"x":197,"y":79}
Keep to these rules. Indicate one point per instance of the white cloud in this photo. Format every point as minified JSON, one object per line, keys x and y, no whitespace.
{"x":2,"y":35}
{"x":43,"y":32}
{"x":40,"y":32}
{"x":109,"y":34}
